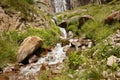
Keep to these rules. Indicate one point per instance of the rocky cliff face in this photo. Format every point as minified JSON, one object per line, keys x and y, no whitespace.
{"x":44,"y":5}
{"x":12,"y":20}
{"x":63,"y":5}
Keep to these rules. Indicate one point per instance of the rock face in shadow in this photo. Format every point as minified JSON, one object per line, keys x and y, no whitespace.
{"x":28,"y":47}
{"x":115,"y":16}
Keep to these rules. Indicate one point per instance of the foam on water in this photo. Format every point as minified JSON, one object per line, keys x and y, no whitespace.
{"x":60,"y":5}
{"x":63,"y":32}
{"x":57,"y":55}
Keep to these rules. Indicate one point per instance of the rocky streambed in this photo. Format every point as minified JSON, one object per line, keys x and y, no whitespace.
{"x":29,"y":64}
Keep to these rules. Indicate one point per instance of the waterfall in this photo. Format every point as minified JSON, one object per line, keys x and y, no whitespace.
{"x":63,"y":33}
{"x":59,"y":5}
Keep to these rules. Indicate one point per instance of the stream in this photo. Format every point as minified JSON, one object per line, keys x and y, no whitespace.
{"x":52,"y":61}
{"x":53,"y":58}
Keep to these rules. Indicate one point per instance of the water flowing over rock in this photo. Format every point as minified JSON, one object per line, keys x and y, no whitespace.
{"x":56,"y":56}
{"x":56,"y":6}
{"x":28,"y":47}
{"x":52,"y":60}
{"x":63,"y":33}
{"x":59,"y":5}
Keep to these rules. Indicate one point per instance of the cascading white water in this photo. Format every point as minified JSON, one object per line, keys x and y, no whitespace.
{"x":60,"y":5}
{"x":57,"y":55}
{"x":63,"y":33}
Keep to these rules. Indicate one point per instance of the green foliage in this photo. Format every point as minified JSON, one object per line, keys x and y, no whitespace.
{"x":8,"y":48}
{"x":94,"y":74}
{"x":92,"y":62}
{"x":73,"y":26}
{"x":30,"y":1}
{"x":74,"y":60}
{"x":49,"y":36}
{"x":114,"y":51}
{"x":94,"y":29}
{"x":105,"y":51}
{"x":115,"y":67}
{"x":10,"y":41}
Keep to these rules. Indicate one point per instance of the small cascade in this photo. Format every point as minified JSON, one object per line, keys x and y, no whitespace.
{"x":59,"y":5}
{"x":63,"y":33}
{"x":56,"y":56}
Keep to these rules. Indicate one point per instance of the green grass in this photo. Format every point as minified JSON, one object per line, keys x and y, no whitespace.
{"x":10,"y":41}
{"x":94,"y":60}
{"x":8,"y":48}
{"x":95,"y":29}
{"x":48,"y":35}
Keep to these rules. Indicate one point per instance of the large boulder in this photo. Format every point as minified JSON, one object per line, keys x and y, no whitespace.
{"x":28,"y":47}
{"x":115,"y":16}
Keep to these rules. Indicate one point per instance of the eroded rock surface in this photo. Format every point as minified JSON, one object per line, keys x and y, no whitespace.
{"x":28,"y":47}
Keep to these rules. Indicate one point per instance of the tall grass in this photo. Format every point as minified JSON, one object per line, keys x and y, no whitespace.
{"x":10,"y":41}
{"x":8,"y":48}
